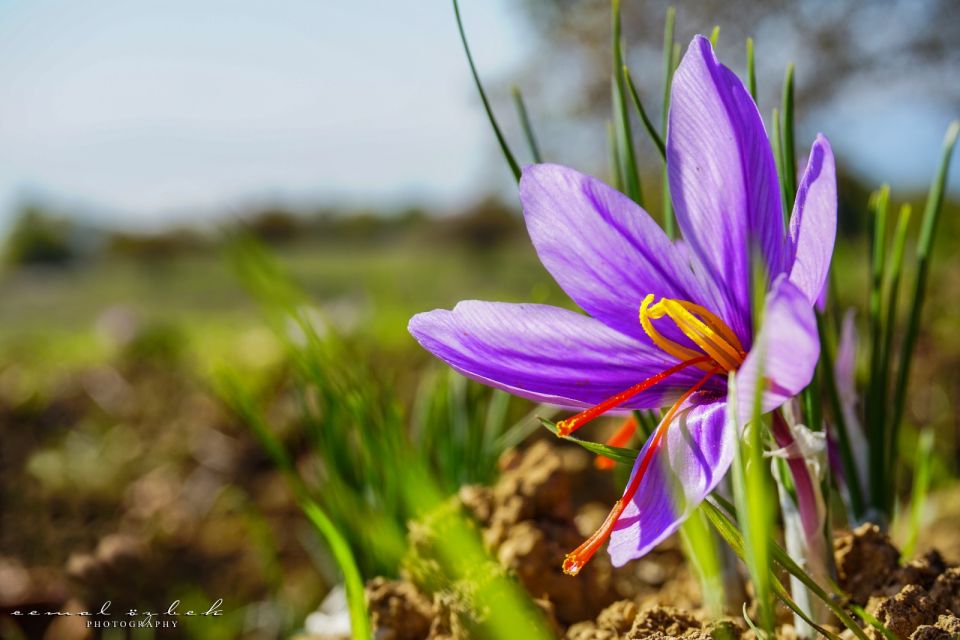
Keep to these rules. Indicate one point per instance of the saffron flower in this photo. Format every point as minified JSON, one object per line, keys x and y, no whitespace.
{"x":667,"y":323}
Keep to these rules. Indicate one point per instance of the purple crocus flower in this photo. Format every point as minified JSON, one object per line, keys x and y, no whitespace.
{"x":667,"y":323}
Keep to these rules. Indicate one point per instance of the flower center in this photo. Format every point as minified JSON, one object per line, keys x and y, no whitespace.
{"x":719,"y":352}
{"x":706,"y":330}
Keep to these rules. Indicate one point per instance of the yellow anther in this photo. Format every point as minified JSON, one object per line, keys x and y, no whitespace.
{"x":703,"y":328}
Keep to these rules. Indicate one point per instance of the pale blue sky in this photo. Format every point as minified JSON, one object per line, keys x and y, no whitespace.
{"x":160,"y":111}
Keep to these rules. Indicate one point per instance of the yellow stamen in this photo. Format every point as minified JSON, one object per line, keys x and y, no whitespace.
{"x":704,"y":328}
{"x":648,"y":313}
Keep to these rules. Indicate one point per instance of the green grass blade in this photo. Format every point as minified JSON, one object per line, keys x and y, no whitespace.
{"x":922,"y":469}
{"x":504,"y":147}
{"x":892,"y":291}
{"x":638,"y":104}
{"x":876,"y":432}
{"x":753,"y":496}
{"x":872,"y":620}
{"x":931,"y":216}
{"x":526,"y":124}
{"x":732,"y":536}
{"x":787,"y":149}
{"x":850,"y":475}
{"x":669,"y":65}
{"x":616,"y":175}
{"x":617,"y":454}
{"x":715,"y":36}
{"x":621,"y":116}
{"x":751,"y":70}
{"x":700,"y":549}
{"x":353,"y":582}
{"x":776,"y":142}
{"x":728,"y":531}
{"x":646,"y":422}
{"x":240,"y":400}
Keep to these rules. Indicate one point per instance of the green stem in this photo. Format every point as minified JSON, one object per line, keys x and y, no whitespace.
{"x":621,"y":116}
{"x":931,"y":217}
{"x":504,"y":147}
{"x":527,"y":126}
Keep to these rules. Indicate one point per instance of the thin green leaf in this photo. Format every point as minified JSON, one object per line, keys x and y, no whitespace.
{"x":504,"y":147}
{"x":751,"y":70}
{"x":728,"y":530}
{"x":669,"y":65}
{"x":617,"y":454}
{"x":850,"y":474}
{"x":872,"y":620}
{"x":752,"y":495}
{"x":892,"y":292}
{"x":616,"y":175}
{"x":922,"y":468}
{"x":241,"y":401}
{"x":654,"y":136}
{"x":621,"y":116}
{"x":879,"y":202}
{"x":715,"y":36}
{"x":732,"y":537}
{"x":931,"y":216}
{"x":789,"y":175}
{"x":776,"y":142}
{"x":525,"y":123}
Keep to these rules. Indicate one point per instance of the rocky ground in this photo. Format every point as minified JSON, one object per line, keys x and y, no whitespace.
{"x":534,"y":514}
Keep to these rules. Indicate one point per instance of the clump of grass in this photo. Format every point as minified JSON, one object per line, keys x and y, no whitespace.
{"x":361,"y":465}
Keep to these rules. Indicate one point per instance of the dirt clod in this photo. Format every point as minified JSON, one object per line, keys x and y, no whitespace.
{"x":667,"y":621}
{"x":946,"y":590}
{"x":904,"y":612}
{"x":866,"y":561}
{"x":398,"y":611}
{"x":946,"y":628}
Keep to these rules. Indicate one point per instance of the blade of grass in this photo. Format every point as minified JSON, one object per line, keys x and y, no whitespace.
{"x":879,"y":203}
{"x":700,"y":549}
{"x":922,"y":466}
{"x":789,"y":176}
{"x":617,"y":454}
{"x":931,"y":216}
{"x":616,"y":175}
{"x":715,"y":36}
{"x":669,"y":223}
{"x":751,"y":70}
{"x":242,"y":402}
{"x":654,"y":136}
{"x":892,"y":290}
{"x":753,"y":497}
{"x":874,"y":622}
{"x":621,"y":116}
{"x":729,"y":532}
{"x":850,"y":475}
{"x":504,"y":147}
{"x":776,"y":142}
{"x":525,"y":123}
{"x":646,"y":422}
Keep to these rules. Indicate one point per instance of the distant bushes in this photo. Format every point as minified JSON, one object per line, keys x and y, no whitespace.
{"x":39,"y":238}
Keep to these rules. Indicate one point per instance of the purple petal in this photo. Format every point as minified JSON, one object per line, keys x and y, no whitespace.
{"x":813,"y":225}
{"x":723,"y":179}
{"x":604,"y":250}
{"x":545,"y":353}
{"x":785,"y":352}
{"x":696,"y":453}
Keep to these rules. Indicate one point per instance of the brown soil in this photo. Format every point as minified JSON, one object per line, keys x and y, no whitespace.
{"x":534,"y":514}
